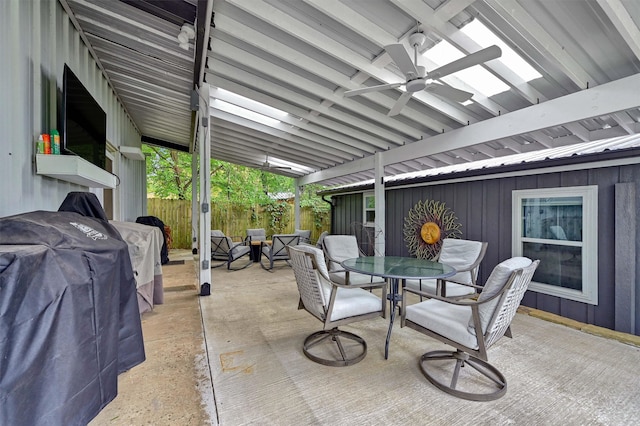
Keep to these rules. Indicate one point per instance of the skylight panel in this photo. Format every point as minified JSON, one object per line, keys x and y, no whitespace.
{"x":247,"y":103}
{"x":245,"y":113}
{"x":485,"y":38}
{"x":244,"y":107}
{"x":476,"y":77}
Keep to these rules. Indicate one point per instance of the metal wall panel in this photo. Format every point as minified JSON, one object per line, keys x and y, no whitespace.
{"x":37,"y":39}
{"x":484,"y":209}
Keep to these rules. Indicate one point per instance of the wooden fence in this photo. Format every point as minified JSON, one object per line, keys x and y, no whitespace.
{"x":233,"y":220}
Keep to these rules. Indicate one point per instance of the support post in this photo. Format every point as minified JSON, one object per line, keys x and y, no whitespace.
{"x":204,"y":150}
{"x":625,"y":257}
{"x":379,"y":193}
{"x":296,"y":204}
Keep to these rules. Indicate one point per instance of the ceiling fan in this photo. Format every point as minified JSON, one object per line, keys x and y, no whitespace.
{"x":268,"y":166}
{"x":418,"y":79}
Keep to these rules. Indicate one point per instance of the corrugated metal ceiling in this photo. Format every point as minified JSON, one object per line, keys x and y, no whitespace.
{"x":300,"y":56}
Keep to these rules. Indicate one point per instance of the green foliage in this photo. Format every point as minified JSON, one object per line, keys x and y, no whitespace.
{"x":169,"y":176}
{"x":168,"y":173}
{"x":321,"y":209}
{"x":278,"y":217}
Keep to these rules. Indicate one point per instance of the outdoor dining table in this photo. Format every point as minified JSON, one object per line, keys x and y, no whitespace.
{"x":256,"y":248}
{"x":397,"y":269}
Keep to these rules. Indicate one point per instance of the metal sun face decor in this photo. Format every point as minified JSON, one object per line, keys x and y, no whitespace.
{"x":426,"y":225}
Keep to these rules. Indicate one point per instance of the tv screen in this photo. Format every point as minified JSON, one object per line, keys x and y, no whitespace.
{"x":84,"y":128}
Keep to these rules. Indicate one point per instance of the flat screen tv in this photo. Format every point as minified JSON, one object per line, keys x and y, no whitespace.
{"x":84,"y":122}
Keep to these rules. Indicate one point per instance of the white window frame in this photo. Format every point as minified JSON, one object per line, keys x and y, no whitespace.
{"x":366,"y":209}
{"x":589,"y":243}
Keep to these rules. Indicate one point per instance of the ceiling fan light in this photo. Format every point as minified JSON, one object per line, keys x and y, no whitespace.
{"x":184,"y":46}
{"x":183,"y":37}
{"x":188,"y":31}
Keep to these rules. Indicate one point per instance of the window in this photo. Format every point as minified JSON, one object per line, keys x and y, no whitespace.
{"x":369,"y":203}
{"x":559,"y":227}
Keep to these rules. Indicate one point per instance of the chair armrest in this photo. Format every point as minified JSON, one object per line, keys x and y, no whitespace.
{"x":477,"y":287}
{"x":460,"y":302}
{"x":363,"y":285}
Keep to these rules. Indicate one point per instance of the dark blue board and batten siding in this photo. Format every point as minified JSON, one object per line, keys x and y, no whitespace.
{"x":483,"y":207}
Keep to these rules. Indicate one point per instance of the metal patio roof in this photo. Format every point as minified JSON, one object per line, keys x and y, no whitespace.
{"x":300,"y":56}
{"x":618,"y":147}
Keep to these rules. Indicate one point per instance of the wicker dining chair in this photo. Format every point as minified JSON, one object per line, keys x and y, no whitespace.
{"x":472,"y":327}
{"x":333,"y":304}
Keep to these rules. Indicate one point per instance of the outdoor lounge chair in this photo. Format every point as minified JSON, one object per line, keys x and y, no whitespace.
{"x":277,"y":249}
{"x":465,"y":256}
{"x":334,"y":304}
{"x":225,"y":250}
{"x":472,"y":327}
{"x":321,"y":239}
{"x":305,"y":235}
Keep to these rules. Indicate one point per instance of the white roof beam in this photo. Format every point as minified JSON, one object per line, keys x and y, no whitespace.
{"x":303,"y":114}
{"x":542,"y":40}
{"x":601,"y":100}
{"x":356,"y":22}
{"x":450,"y":32}
{"x":579,"y":131}
{"x":623,"y":22}
{"x":283,"y":74}
{"x":294,"y":121}
{"x":315,"y":38}
{"x":625,"y":122}
{"x":451,"y":8}
{"x":344,"y":153}
{"x":282,"y":51}
{"x":253,"y":80}
{"x":283,"y":152}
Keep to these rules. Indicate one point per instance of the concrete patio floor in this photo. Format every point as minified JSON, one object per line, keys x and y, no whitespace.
{"x":235,"y":358}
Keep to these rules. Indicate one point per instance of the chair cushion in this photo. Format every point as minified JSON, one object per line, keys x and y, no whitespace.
{"x":460,"y":254}
{"x":217,"y":233}
{"x":339,"y":248}
{"x":430,"y":286}
{"x":322,"y":267}
{"x":257,"y":234}
{"x":321,"y":239}
{"x":495,"y":283}
{"x":305,"y":235}
{"x":239,"y":250}
{"x":445,"y":319}
{"x":354,"y":301}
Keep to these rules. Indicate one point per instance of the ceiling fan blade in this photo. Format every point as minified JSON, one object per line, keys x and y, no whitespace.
{"x":448,"y":92}
{"x":379,"y":87}
{"x":471,"y":60}
{"x":402,"y":59}
{"x":400,"y":103}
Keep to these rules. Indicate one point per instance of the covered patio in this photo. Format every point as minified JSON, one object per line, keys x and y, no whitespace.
{"x":237,"y":359}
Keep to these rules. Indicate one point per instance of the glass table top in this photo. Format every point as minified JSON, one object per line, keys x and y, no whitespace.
{"x":398,"y":267}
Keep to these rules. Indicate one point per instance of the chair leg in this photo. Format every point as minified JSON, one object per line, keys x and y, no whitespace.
{"x":249,"y":263}
{"x":334,"y":336}
{"x":489,"y":384}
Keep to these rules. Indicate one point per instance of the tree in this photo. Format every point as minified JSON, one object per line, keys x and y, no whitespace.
{"x":169,"y":176}
{"x":168,"y":173}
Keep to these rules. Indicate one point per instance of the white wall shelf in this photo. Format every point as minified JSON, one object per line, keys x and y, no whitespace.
{"x":74,"y":169}
{"x":132,"y":153}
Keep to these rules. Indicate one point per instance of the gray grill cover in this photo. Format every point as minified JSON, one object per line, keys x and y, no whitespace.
{"x":69,"y":321}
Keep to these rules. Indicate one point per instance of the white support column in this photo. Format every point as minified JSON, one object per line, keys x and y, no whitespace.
{"x":204,"y":149}
{"x":296,"y":204}
{"x":194,"y":194}
{"x":379,"y":193}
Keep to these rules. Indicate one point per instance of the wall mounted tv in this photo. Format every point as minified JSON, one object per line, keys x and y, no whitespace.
{"x":84,"y":123}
